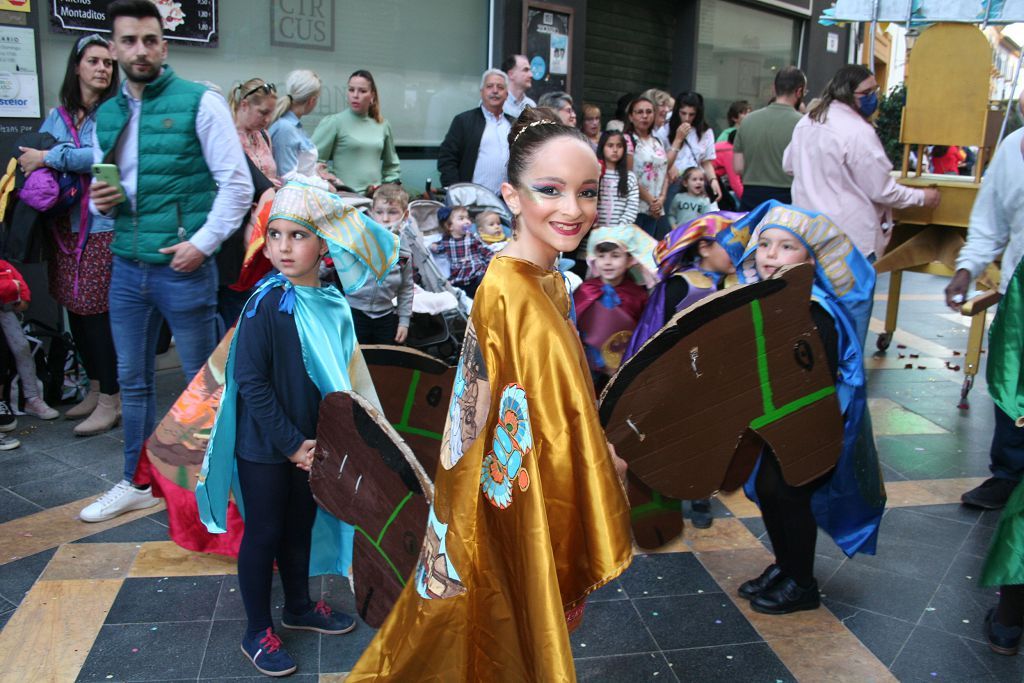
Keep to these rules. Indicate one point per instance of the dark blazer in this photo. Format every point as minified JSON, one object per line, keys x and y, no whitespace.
{"x":456,"y":160}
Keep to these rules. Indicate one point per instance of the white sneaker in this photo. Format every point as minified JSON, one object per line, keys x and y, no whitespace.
{"x":37,"y":407}
{"x":121,"y":499}
{"x":8,"y":443}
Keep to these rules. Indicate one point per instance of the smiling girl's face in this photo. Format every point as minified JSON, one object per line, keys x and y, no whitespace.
{"x":557,"y":203}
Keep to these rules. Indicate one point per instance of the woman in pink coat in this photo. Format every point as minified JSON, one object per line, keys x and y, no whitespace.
{"x":839,"y":166}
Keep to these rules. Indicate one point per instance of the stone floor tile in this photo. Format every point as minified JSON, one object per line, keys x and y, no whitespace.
{"x":978,"y":541}
{"x":62,"y":488}
{"x":729,"y":663}
{"x":900,"y":525}
{"x":877,"y":590}
{"x":140,"y":530}
{"x":958,"y":612}
{"x":175,"y":598}
{"x":694,"y":621}
{"x":340,"y":653}
{"x":17,"y":577}
{"x":910,"y":558}
{"x":931,"y":655}
{"x":13,"y":506}
{"x":668,"y":574}
{"x":25,"y":465}
{"x":634,"y":668}
{"x":611,"y":628}
{"x":147,"y":652}
{"x":883,"y":635}
{"x":612,"y":590}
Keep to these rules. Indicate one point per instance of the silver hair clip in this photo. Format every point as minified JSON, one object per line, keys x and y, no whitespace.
{"x":531,"y":125}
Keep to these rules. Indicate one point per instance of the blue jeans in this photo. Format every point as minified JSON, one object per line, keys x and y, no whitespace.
{"x":141,"y":295}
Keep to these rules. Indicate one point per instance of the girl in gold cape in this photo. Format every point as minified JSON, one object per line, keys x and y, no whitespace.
{"x":528,"y":516}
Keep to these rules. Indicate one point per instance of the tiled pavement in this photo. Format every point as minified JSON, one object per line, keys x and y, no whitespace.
{"x":118,"y":602}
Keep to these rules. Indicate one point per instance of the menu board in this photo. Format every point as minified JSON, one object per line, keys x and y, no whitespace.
{"x":186,"y":21}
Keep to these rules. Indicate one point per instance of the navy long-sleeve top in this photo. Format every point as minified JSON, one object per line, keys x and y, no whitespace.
{"x":278,"y":404}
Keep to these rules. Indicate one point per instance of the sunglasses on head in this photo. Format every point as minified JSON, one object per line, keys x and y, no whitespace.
{"x":266,"y":88}
{"x":92,"y":39}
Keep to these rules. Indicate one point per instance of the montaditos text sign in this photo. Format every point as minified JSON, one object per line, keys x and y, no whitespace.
{"x":187,"y":21}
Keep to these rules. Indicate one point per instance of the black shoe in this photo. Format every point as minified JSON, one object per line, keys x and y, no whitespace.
{"x":991,"y":495}
{"x":8,"y":421}
{"x":786,"y":597}
{"x":769,"y":577}
{"x":700,"y":513}
{"x":1003,"y":640}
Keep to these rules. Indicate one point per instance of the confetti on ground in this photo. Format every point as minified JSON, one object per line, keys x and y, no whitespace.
{"x":918,"y":449}
{"x":583,"y":644}
{"x":929,"y":609}
{"x":966,"y":621}
{"x":728,"y":656}
{"x":135,"y":649}
{"x":718,"y":621}
{"x":654,"y":613}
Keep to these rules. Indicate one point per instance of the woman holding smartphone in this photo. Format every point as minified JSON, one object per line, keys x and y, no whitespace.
{"x":80,"y":267}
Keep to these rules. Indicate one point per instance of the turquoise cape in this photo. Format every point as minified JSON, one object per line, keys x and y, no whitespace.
{"x":324,"y":323}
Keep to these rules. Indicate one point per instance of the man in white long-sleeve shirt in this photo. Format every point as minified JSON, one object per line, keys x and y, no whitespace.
{"x":996,"y":227}
{"x":186,"y":188}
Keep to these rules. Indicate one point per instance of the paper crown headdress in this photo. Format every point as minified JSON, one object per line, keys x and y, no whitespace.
{"x":359,"y":246}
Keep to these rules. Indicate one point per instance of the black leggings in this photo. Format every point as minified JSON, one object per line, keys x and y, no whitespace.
{"x":95,"y":344}
{"x":279,"y":515}
{"x":787,"y":515}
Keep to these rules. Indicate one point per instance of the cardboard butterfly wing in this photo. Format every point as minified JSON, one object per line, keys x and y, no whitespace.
{"x":414,"y":390}
{"x":364,"y":474}
{"x":689,"y":411}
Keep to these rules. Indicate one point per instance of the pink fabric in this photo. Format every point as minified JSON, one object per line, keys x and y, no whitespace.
{"x":840,"y":169}
{"x":259,"y":152}
{"x":723,"y":164}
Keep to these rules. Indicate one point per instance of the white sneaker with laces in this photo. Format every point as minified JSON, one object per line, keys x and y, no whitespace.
{"x":8,"y":443}
{"x":121,"y":499}
{"x":37,"y":407}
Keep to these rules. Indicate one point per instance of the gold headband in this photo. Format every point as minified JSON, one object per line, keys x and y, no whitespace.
{"x":531,"y":125}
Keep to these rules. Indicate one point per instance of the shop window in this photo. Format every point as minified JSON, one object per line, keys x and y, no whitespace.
{"x":739,"y":51}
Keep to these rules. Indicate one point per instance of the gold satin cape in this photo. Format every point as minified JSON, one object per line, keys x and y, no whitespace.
{"x":528,"y":516}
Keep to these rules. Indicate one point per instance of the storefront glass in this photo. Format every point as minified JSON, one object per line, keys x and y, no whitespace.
{"x":426,"y":57}
{"x":740,"y":50}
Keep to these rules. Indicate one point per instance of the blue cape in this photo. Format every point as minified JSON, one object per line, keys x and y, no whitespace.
{"x":324,"y":323}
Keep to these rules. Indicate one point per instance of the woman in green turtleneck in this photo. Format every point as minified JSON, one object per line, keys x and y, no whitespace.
{"x":359,"y":140}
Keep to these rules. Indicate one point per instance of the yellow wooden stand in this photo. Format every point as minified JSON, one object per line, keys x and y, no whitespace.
{"x":947,"y":104}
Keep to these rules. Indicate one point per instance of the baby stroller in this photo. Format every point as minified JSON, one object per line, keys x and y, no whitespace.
{"x":440,"y":311}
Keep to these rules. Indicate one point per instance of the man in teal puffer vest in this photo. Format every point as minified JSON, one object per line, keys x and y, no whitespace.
{"x":186,"y":188}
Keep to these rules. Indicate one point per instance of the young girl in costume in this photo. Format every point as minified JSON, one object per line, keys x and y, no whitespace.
{"x":609,"y":304}
{"x":692,"y":264}
{"x":619,"y":197}
{"x":262,"y":442}
{"x":528,"y":516}
{"x":847,"y":502}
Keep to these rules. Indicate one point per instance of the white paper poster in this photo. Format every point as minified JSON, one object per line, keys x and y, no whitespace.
{"x":19,"y":82}
{"x":559,"y":60}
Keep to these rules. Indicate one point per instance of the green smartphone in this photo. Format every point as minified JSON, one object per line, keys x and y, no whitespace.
{"x":108,"y":173}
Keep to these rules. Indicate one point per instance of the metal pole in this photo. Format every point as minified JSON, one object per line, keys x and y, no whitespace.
{"x":872,"y":28}
{"x":1009,"y":101}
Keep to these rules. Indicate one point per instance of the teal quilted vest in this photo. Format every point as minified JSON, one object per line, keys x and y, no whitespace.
{"x":175,"y":188}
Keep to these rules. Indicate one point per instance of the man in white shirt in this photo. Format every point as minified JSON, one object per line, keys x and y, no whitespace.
{"x":520,"y":79}
{"x":475,"y":149}
{"x":184,"y":188}
{"x":996,"y":224}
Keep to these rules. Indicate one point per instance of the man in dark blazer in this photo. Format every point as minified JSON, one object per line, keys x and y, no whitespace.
{"x":475,"y":149}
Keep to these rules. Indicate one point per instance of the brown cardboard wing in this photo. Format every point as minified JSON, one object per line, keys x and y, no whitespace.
{"x":688,"y":412}
{"x":363,"y":473}
{"x":414,"y":390}
{"x":656,"y":519}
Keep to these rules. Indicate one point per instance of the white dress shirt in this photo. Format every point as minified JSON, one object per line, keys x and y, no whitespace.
{"x":997,"y":219}
{"x":492,"y":159}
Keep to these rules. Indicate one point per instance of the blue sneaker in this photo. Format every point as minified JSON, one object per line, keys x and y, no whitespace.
{"x":321,"y":618}
{"x":267,"y":654}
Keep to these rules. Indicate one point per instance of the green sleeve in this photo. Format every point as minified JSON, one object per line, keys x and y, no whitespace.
{"x":390,"y":166}
{"x":324,"y":137}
